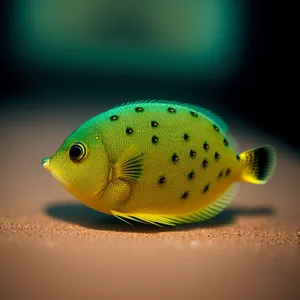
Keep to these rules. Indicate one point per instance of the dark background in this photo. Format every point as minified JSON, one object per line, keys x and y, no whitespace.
{"x":261,"y":91}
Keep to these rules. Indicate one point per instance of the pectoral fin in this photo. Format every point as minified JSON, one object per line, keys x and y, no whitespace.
{"x":129,"y":164}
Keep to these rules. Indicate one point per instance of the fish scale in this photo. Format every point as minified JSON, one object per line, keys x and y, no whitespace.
{"x":160,"y":162}
{"x":170,"y":131}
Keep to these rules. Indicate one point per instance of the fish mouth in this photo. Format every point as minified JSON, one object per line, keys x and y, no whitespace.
{"x":46,"y":163}
{"x":60,"y":179}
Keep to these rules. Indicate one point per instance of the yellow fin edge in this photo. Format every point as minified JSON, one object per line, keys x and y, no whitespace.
{"x":192,"y":217}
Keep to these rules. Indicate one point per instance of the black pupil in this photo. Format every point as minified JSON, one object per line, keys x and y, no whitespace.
{"x":75,"y":152}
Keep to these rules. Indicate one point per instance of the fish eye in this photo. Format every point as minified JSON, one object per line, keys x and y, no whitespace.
{"x":77,"y":152}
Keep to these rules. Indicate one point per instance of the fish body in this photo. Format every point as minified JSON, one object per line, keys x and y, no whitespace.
{"x":158,"y":162}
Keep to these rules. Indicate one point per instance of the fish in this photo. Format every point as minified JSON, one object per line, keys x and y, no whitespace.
{"x":158,"y":162}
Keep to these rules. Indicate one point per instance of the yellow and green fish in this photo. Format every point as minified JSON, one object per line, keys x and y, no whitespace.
{"x":157,"y":161}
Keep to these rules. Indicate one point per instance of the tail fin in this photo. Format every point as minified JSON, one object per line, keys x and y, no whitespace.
{"x":259,"y":164}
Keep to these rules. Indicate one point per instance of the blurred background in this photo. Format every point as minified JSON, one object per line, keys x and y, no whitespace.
{"x":229,"y":54}
{"x":63,"y":61}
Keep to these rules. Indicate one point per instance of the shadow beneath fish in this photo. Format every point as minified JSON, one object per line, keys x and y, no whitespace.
{"x":82,"y":215}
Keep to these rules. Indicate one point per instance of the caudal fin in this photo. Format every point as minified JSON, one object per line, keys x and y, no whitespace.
{"x":259,"y":164}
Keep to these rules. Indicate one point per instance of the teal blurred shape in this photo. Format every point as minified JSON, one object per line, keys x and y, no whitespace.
{"x":161,"y":38}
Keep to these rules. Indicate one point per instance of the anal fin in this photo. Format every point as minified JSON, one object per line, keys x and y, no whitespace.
{"x":192,"y":217}
{"x":221,"y":203}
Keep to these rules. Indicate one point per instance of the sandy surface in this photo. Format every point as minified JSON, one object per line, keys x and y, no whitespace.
{"x":52,"y":247}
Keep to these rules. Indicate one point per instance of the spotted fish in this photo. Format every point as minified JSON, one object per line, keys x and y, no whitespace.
{"x":157,"y":161}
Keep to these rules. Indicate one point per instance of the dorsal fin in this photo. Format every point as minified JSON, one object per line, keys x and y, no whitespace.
{"x":233,"y":143}
{"x":205,"y":112}
{"x":129,"y":164}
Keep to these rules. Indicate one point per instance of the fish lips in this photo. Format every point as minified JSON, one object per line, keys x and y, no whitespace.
{"x":46,"y":163}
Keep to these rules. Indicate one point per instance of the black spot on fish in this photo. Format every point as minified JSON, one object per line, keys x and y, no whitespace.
{"x":114,"y":118}
{"x":185,"y":195}
{"x":220,"y":174}
{"x":129,"y":130}
{"x":206,"y":188}
{"x":238,"y":157}
{"x":175,"y":157}
{"x":205,"y":146}
{"x":228,"y":171}
{"x":161,"y":180}
{"x":216,"y":128}
{"x":192,"y":153}
{"x":186,"y":137}
{"x":154,"y":124}
{"x":171,"y":110}
{"x":191,"y":175}
{"x":217,"y":156}
{"x":225,"y":142}
{"x":204,"y":163}
{"x":154,"y":139}
{"x":194,"y":114}
{"x":139,"y":109}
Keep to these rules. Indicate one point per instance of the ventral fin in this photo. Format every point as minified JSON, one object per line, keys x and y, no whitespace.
{"x":129,"y":164}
